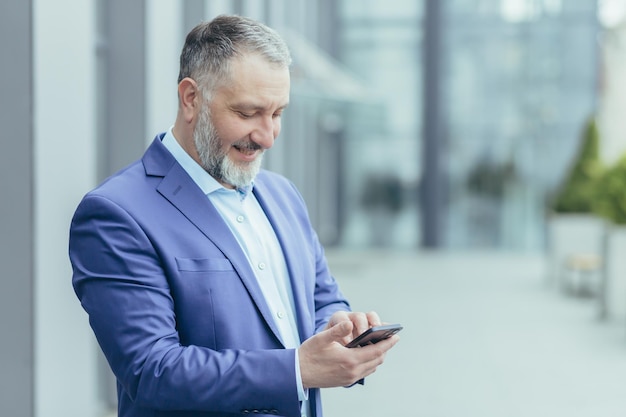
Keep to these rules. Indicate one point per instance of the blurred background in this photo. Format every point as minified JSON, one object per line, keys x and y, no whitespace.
{"x":418,"y":130}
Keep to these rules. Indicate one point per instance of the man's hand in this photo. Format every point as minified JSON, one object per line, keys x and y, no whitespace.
{"x":326,"y":362}
{"x":360,"y":321}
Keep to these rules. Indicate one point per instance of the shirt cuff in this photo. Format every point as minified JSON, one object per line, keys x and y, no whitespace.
{"x":303,"y":394}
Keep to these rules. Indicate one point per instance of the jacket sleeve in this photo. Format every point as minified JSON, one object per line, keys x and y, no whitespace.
{"x":120,"y":281}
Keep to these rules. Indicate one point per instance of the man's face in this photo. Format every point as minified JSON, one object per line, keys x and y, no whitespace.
{"x":242,"y":121}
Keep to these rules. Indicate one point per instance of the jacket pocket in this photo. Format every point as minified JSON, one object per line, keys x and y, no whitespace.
{"x":203,"y":264}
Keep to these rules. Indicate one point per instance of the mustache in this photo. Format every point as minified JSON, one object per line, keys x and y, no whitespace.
{"x":247,"y":145}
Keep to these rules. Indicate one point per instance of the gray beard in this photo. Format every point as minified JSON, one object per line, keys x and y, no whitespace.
{"x":214,"y":159}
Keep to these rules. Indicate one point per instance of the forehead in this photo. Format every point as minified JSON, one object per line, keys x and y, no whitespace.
{"x":255,"y":82}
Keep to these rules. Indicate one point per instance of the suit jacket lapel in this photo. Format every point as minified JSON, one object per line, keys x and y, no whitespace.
{"x":290,"y":248}
{"x":180,"y":190}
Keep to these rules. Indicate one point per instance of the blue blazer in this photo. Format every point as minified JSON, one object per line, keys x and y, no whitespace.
{"x":174,"y":303}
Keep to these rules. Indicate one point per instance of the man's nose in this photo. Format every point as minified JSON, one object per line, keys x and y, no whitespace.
{"x":265,"y":132}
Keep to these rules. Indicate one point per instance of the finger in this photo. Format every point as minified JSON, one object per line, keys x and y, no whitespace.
{"x":337,"y":317}
{"x":371,"y":352}
{"x":341,"y":331}
{"x":360,"y":322}
{"x":386,"y":344}
{"x":369,"y":359}
{"x":373,"y":319}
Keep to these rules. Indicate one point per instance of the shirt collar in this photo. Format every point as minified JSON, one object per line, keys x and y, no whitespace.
{"x":245,"y":190}
{"x":206,"y":182}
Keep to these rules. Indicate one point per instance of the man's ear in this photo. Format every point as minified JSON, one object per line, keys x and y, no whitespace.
{"x":189,"y":99}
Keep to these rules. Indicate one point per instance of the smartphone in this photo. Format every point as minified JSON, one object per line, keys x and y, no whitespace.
{"x":374,"y":335}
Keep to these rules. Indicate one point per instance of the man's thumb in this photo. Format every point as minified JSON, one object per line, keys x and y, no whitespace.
{"x":341,"y":330}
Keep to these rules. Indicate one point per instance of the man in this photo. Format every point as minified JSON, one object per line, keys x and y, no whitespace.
{"x":205,"y":285}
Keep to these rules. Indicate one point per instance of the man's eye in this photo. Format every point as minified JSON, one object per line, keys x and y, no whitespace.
{"x":244,"y":115}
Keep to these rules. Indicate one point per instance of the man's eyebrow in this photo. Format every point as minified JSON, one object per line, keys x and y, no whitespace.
{"x":255,"y":107}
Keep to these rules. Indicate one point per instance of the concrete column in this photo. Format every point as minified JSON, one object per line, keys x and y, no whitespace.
{"x":431,"y":188}
{"x":124,"y":130}
{"x":16,"y":210}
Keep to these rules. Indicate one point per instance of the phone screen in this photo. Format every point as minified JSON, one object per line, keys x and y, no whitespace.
{"x":374,"y":335}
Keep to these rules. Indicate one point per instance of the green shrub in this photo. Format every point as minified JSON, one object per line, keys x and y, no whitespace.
{"x":578,"y":192}
{"x":610,"y":193}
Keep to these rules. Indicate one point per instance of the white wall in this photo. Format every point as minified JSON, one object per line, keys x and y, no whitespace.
{"x":64,"y":124}
{"x":612,"y":99}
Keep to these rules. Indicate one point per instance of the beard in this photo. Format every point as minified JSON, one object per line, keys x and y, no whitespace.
{"x":214,"y":156}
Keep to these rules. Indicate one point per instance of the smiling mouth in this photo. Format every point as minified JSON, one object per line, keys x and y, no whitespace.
{"x":245,"y":151}
{"x":247,"y":148}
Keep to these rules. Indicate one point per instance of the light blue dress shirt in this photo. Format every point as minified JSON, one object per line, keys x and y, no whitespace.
{"x":244,"y":216}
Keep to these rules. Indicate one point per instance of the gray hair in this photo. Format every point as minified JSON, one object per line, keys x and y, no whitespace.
{"x":211,"y":46}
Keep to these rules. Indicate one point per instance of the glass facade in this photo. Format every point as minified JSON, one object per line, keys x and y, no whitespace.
{"x":380,"y":44}
{"x":519,"y":82}
{"x":516,"y":84}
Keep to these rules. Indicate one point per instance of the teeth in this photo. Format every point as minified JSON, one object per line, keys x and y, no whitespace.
{"x":247,"y":148}
{"x":245,"y":151}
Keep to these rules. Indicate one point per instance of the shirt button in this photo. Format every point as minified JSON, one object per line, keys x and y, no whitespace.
{"x":280,"y":314}
{"x":240,"y":219}
{"x":261,"y":265}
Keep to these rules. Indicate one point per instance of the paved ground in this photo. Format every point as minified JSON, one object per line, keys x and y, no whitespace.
{"x":484,"y":337}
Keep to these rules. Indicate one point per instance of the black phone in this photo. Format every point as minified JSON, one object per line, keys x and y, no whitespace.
{"x":374,"y":335}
